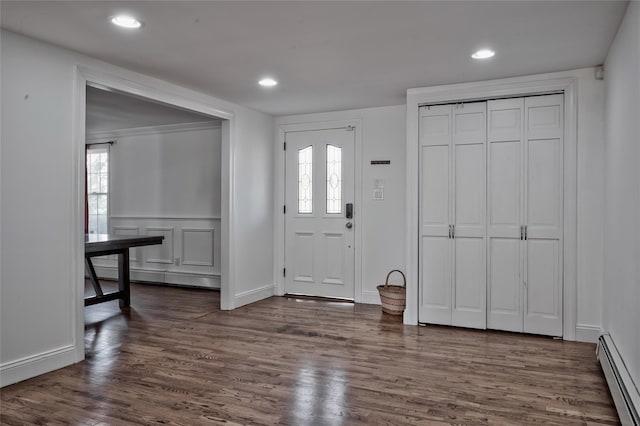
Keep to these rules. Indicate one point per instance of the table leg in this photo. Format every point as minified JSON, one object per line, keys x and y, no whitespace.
{"x":123,"y":278}
{"x":92,"y":275}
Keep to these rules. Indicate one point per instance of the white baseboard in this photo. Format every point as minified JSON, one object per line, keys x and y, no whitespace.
{"x":588,"y":333}
{"x":35,"y":365}
{"x":624,"y":392}
{"x":254,"y":295}
{"x":369,"y":297}
{"x":167,"y":277}
{"x":181,"y":278}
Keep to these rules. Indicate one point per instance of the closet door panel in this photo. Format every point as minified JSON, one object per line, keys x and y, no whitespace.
{"x":505,"y":181}
{"x":543,"y":297}
{"x":505,"y":214}
{"x":544,"y":188}
{"x":435,"y":125}
{"x":469,"y":289}
{"x":469,"y":218}
{"x":435,"y":208}
{"x":504,"y":294}
{"x":435,"y":285}
{"x":505,"y":120}
{"x":435,"y":274}
{"x":434,"y":190}
{"x":505,"y":174}
{"x":469,"y":190}
{"x":469,"y":305}
{"x":470,"y":123}
{"x":543,"y":215}
{"x":469,"y":141}
{"x":544,"y":117}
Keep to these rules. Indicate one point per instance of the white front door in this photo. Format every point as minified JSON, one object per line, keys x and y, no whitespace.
{"x":319,"y":213}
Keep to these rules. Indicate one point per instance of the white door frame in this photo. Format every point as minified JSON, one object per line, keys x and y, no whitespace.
{"x":279,"y":240}
{"x":467,"y":92}
{"x":169,"y":94}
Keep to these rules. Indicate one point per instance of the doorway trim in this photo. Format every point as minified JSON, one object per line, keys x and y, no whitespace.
{"x":564,"y":82}
{"x":279,"y":240}
{"x":166,"y":93}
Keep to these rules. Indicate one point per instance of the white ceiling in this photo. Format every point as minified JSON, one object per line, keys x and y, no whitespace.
{"x":327,"y":55}
{"x":108,"y":110}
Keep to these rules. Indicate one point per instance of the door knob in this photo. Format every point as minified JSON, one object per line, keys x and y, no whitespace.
{"x":349,"y":225}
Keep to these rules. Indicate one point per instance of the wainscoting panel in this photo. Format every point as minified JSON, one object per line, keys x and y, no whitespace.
{"x":189,"y":254}
{"x":160,"y":253}
{"x":197,"y":246}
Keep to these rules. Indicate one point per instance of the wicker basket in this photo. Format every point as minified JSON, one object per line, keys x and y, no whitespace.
{"x":393,"y":297}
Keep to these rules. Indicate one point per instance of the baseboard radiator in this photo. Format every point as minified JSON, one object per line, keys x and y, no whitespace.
{"x":624,"y":392}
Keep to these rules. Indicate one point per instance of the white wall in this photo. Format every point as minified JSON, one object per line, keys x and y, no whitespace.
{"x":38,"y":270}
{"x":165,"y":171}
{"x":590,"y":209}
{"x":36,"y":316}
{"x":166,"y":180}
{"x":622,"y":203}
{"x":382,"y":222}
{"x":253,"y":188}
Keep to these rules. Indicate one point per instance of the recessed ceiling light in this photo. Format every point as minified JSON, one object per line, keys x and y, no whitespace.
{"x":126,"y":21}
{"x":268,"y":82}
{"x":483,"y":54}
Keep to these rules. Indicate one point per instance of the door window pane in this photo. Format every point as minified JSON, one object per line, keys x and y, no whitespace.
{"x":305,"y":180}
{"x":334,"y":179}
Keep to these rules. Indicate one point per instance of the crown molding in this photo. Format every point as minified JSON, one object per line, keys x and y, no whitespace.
{"x":152,"y":130}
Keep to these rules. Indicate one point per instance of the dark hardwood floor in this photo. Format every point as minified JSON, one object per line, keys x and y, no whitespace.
{"x":175,"y":358}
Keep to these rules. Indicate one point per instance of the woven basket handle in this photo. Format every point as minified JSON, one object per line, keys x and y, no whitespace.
{"x":404,"y":279}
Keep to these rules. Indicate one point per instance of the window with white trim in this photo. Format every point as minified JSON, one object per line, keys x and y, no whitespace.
{"x":98,"y":189}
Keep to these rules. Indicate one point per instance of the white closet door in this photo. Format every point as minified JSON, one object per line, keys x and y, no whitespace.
{"x":494,"y":171}
{"x":543,"y":215}
{"x":435,"y":206}
{"x":505,"y":214}
{"x":469,"y":271}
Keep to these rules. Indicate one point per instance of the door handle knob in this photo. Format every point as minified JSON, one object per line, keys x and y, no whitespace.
{"x":349,"y":225}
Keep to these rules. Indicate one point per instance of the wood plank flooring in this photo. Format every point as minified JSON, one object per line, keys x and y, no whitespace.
{"x":176,"y":359}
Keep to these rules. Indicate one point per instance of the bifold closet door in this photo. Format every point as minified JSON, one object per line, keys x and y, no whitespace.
{"x":505,"y":159}
{"x":452,"y":215}
{"x":468,"y":215}
{"x":543,"y":214}
{"x":435,"y":206}
{"x":525,"y":190}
